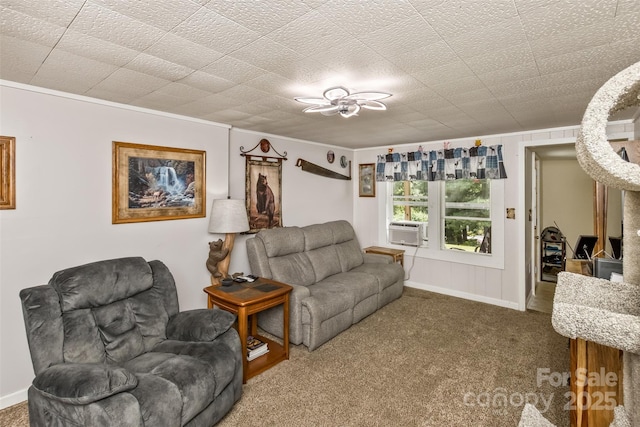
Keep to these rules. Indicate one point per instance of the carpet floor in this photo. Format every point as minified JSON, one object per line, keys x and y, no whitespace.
{"x":424,"y":360}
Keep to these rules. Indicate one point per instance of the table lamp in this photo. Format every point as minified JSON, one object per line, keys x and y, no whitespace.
{"x":228,"y":216}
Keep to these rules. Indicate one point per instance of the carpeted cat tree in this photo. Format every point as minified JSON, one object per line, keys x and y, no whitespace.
{"x":594,"y":309}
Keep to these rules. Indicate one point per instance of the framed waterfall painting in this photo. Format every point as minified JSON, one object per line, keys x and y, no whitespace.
{"x":153,"y":183}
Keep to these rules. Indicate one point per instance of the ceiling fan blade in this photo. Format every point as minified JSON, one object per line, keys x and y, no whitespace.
{"x":335,"y":93}
{"x":320,"y":101}
{"x":330,"y":112}
{"x":369,"y":96}
{"x":372,"y":105}
{"x":321,"y":109}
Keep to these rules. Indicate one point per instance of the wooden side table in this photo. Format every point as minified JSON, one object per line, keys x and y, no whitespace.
{"x":246,"y":300}
{"x":396,"y":254}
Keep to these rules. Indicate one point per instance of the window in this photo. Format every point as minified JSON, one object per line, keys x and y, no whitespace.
{"x":467,"y":215}
{"x":410,"y":203}
{"x":462,"y":218}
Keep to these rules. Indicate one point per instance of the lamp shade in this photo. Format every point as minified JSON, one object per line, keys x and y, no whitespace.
{"x":228,"y":216}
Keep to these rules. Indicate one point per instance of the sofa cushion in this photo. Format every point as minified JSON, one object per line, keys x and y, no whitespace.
{"x":199,"y":325}
{"x":317,"y":236}
{"x":194,"y":377}
{"x":327,"y":300}
{"x":100,"y":283}
{"x":385,"y":274}
{"x":295,"y":269}
{"x":341,"y":230}
{"x":324,"y":261}
{"x":349,"y":254}
{"x":359,"y":286}
{"x":282,"y":241}
{"x":79,"y":384}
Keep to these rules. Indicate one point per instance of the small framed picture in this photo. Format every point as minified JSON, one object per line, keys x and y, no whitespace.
{"x":366,"y":180}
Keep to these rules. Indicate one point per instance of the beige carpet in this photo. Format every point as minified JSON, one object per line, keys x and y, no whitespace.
{"x":423,"y":360}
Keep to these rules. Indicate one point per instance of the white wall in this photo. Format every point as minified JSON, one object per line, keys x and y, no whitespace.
{"x":566,"y":199}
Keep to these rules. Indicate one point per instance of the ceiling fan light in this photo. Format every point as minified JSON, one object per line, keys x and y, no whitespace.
{"x":321,"y":108}
{"x":373,"y":105}
{"x":337,"y":100}
{"x":335,"y":93}
{"x":314,"y":101}
{"x":369,"y":96}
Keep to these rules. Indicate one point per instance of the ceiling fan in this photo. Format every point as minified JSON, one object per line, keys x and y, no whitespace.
{"x":338,"y":100}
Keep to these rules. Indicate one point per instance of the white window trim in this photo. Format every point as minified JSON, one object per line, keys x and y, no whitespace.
{"x":434,"y":250}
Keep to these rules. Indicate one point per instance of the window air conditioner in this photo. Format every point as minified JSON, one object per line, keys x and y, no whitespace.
{"x":405,"y":233}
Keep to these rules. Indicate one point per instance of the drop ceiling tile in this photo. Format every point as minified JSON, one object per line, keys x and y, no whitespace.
{"x":251,"y":14}
{"x":309,"y":33}
{"x":206,"y":82}
{"x":559,"y":17}
{"x":347,"y":56}
{"x":487,"y":39}
{"x":242,"y":94}
{"x":93,"y":48}
{"x":114,"y":27}
{"x":202,"y":106}
{"x":425,"y":57}
{"x":214,"y":31}
{"x":159,"y":101}
{"x":266,"y":54}
{"x":271,"y":83}
{"x":305,"y":71}
{"x":184,"y":52}
{"x":158,"y":67}
{"x":131,"y":81}
{"x":450,"y":73}
{"x":465,"y":16}
{"x":120,"y":96}
{"x":500,"y":59}
{"x":232,"y":69}
{"x":388,"y":41}
{"x":26,"y":27}
{"x":20,"y":59}
{"x":183,"y":91}
{"x":510,"y":74}
{"x":163,"y":14}
{"x":67,"y":67}
{"x":417,"y":93}
{"x":365,"y":17}
{"x":572,"y":40}
{"x":59,"y":13}
{"x":462,"y":85}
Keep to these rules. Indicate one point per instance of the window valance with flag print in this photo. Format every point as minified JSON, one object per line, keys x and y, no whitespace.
{"x":483,"y":162}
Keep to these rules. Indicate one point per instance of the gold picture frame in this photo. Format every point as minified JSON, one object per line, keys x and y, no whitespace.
{"x":154,"y":183}
{"x":7,"y":172}
{"x":367,"y":180}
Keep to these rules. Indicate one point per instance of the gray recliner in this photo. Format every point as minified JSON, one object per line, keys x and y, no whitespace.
{"x":110,"y":348}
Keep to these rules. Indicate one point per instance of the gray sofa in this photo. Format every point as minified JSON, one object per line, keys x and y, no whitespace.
{"x":110,"y":348}
{"x":335,"y":284}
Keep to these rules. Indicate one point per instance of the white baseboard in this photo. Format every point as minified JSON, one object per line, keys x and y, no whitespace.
{"x":465,"y":295}
{"x":13,"y":398}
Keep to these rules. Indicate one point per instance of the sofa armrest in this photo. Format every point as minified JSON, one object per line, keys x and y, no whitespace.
{"x":199,"y":325}
{"x":83,"y":383}
{"x":377,"y":258}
